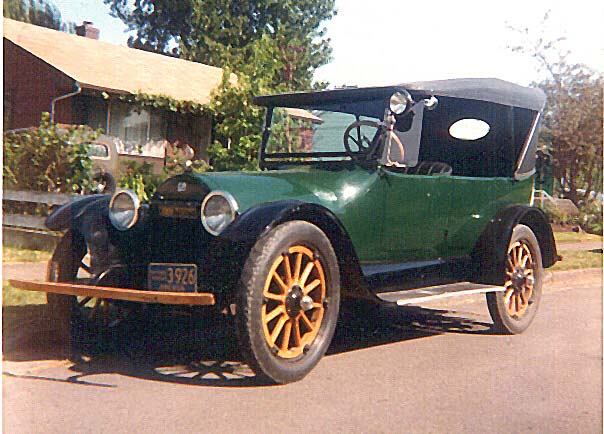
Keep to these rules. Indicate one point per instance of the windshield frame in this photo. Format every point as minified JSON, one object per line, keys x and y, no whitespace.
{"x":269,"y":160}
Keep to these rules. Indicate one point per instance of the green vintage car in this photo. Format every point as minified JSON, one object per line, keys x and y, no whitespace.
{"x":392,"y":195}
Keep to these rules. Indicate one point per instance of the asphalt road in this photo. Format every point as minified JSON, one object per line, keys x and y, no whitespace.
{"x":432,"y":369}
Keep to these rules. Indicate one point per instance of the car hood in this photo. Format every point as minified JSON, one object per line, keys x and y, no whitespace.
{"x":332,"y":188}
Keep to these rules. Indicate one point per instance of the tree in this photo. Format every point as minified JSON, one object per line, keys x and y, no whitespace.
{"x":572,"y":124}
{"x":223,"y":32}
{"x":38,"y":12}
{"x":271,"y":46}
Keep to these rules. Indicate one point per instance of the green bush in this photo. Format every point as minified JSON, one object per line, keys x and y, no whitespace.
{"x":48,"y":158}
{"x":141,"y":179}
{"x":558,"y":215}
{"x":590,"y":218}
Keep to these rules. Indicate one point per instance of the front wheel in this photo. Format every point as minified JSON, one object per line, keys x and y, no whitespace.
{"x":288,"y":301}
{"x":513,"y":309}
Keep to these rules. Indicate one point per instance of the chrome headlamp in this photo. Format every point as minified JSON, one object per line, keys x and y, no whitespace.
{"x":218,"y":210}
{"x":123,"y":209}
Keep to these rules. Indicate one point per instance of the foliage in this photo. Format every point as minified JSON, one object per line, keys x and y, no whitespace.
{"x":270,"y":46}
{"x":591,"y":217}
{"x":48,"y":158}
{"x":223,"y":32}
{"x":572,"y":124}
{"x":141,"y":179}
{"x":38,"y":12}
{"x":145,"y":100}
{"x":559,"y":215}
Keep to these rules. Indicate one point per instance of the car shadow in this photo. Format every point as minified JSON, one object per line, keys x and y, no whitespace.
{"x":203,"y":351}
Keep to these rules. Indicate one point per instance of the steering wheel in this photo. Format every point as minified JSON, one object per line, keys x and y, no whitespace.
{"x":361,"y":142}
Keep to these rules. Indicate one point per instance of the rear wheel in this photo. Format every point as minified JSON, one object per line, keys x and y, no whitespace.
{"x":288,"y":301}
{"x":513,"y":309}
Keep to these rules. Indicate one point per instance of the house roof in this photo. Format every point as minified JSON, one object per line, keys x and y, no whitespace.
{"x":304,"y":115}
{"x":113,"y":68}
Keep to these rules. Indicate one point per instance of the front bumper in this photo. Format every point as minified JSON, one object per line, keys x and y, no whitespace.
{"x":187,"y":298}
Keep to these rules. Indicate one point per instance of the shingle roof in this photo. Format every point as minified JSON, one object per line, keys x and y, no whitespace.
{"x":113,"y":68}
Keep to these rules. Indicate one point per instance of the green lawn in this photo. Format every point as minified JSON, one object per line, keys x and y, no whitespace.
{"x":16,"y":254}
{"x":577,"y":259}
{"x":16,"y":297}
{"x":562,"y":237}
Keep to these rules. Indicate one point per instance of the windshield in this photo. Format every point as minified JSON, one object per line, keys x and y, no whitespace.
{"x":317,"y":135}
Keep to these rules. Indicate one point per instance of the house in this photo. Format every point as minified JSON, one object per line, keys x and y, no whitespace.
{"x":80,"y":79}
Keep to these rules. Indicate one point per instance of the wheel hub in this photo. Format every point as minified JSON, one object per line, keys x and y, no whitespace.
{"x":519,"y":278}
{"x":293,"y":301}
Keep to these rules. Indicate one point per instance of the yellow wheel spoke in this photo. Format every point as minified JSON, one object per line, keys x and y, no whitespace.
{"x":286,"y":335}
{"x":306,"y":273}
{"x":281,"y":283}
{"x":296,"y":327}
{"x":507,"y":296}
{"x":298,"y":267}
{"x":277,"y":330}
{"x":312,"y":285}
{"x":306,"y":321}
{"x":523,"y":299}
{"x":288,"y":269}
{"x":274,"y":313}
{"x":317,"y":305}
{"x":510,"y":263}
{"x":276,"y":297}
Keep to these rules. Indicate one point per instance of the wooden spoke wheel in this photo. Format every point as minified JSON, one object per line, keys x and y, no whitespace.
{"x":514,"y":308}
{"x":293,"y":297}
{"x":288,"y":302}
{"x":520,"y":279}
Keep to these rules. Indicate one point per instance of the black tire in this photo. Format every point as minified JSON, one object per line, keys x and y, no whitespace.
{"x":514,"y":309}
{"x":292,"y":354}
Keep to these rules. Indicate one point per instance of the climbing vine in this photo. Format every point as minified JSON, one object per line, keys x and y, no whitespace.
{"x":145,"y":100}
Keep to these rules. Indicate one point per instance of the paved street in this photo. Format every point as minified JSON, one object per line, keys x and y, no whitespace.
{"x":432,"y":369}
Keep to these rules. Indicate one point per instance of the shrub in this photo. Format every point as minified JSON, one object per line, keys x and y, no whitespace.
{"x":48,"y":158}
{"x":141,"y":179}
{"x":590,"y":218}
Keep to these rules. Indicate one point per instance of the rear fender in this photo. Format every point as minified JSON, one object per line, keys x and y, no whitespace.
{"x":490,"y":252}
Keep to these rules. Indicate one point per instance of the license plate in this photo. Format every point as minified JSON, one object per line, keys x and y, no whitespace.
{"x":172,"y":277}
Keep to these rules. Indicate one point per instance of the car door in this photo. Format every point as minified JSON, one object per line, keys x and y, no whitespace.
{"x":415,"y":217}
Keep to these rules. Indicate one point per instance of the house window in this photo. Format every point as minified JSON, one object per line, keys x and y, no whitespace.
{"x":135,"y":128}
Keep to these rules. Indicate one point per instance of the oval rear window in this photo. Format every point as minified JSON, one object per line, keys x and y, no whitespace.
{"x":469,"y":129}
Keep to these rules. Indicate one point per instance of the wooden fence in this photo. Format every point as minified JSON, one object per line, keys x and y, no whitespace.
{"x":29,"y":231}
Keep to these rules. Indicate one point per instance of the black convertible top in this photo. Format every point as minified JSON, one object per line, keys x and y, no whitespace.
{"x":482,"y":89}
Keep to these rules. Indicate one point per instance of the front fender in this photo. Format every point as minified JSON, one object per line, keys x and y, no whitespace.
{"x":491,"y":250}
{"x":261,"y":219}
{"x":69,"y":215}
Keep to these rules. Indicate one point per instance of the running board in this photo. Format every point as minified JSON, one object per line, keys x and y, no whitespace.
{"x":429,"y":293}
